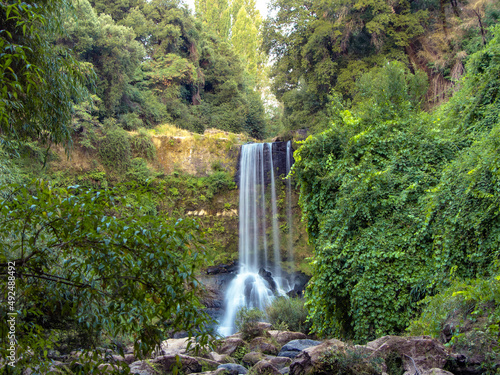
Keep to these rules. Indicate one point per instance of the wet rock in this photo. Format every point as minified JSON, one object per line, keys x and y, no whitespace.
{"x":268,"y":277}
{"x":294,"y":347}
{"x":233,"y":368}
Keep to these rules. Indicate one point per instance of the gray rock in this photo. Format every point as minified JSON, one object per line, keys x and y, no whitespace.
{"x":264,"y":367}
{"x":285,"y":370}
{"x":233,"y":368}
{"x":141,"y":368}
{"x":436,"y":371}
{"x":294,"y":347}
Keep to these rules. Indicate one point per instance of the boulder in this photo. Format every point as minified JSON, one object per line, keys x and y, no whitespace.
{"x":264,"y":326}
{"x":268,"y":277}
{"x":230,"y":345}
{"x":219,"y":371}
{"x":262,"y":344}
{"x":174,"y":346}
{"x":233,"y":368}
{"x":311,"y":359}
{"x":436,"y":371}
{"x":294,"y":347}
{"x":252,"y":358}
{"x":283,"y":337}
{"x":265,"y":368}
{"x":418,"y":353}
{"x":285,"y":370}
{"x":220,"y":358}
{"x":107,"y":368}
{"x":279,"y":362}
{"x":188,"y":364}
{"x":142,"y":368}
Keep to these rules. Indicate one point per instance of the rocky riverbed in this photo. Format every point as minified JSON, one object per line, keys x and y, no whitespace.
{"x":276,"y":352}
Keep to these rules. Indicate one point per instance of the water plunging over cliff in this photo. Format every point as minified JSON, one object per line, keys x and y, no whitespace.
{"x":253,"y":286}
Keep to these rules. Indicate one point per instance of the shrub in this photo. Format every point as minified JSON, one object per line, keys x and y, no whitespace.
{"x":351,"y":361}
{"x":130,"y":121}
{"x":290,"y":313}
{"x":139,"y":171}
{"x":143,"y":145}
{"x":219,"y":181}
{"x":114,"y":149}
{"x":247,"y":322}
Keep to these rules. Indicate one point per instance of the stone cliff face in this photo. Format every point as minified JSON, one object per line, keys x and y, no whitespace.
{"x":279,"y":150}
{"x":196,"y":155}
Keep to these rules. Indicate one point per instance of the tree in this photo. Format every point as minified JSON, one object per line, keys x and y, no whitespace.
{"x":215,"y":15}
{"x":325,"y":45}
{"x":111,"y":49}
{"x":85,"y":260}
{"x":117,"y":9}
{"x":40,"y":81}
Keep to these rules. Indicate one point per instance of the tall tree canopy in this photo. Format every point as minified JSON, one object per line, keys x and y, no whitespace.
{"x":320,"y":46}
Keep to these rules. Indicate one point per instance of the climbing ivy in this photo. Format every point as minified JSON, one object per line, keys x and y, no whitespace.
{"x":397,"y":201}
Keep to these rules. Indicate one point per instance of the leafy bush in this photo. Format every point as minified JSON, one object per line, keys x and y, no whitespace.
{"x":84,"y":260}
{"x":289,"y":312}
{"x":143,"y":145}
{"x":351,"y":361}
{"x":114,"y":149}
{"x":247,"y":322}
{"x":219,"y":181}
{"x":130,"y":121}
{"x":139,"y":171}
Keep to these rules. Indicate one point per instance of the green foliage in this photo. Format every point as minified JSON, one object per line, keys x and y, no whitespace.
{"x":219,"y":181}
{"x":40,"y":81}
{"x":247,"y":322}
{"x":289,"y":312}
{"x":86,"y":260}
{"x":389,"y":92}
{"x":130,"y":121}
{"x":398,"y":200}
{"x":112,"y":51}
{"x":466,"y":316}
{"x":143,"y":145}
{"x":139,"y":171}
{"x":114,"y":149}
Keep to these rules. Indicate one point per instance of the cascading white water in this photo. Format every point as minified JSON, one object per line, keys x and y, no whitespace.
{"x":250,"y":289}
{"x":289,"y":153}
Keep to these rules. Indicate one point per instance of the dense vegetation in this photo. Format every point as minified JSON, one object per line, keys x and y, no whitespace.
{"x":399,"y":182}
{"x":399,"y":202}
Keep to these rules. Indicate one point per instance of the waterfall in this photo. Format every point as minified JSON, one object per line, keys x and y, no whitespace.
{"x":289,"y":154}
{"x":253,"y":286}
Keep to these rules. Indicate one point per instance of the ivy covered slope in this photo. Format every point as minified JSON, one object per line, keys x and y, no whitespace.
{"x":398,"y":201}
